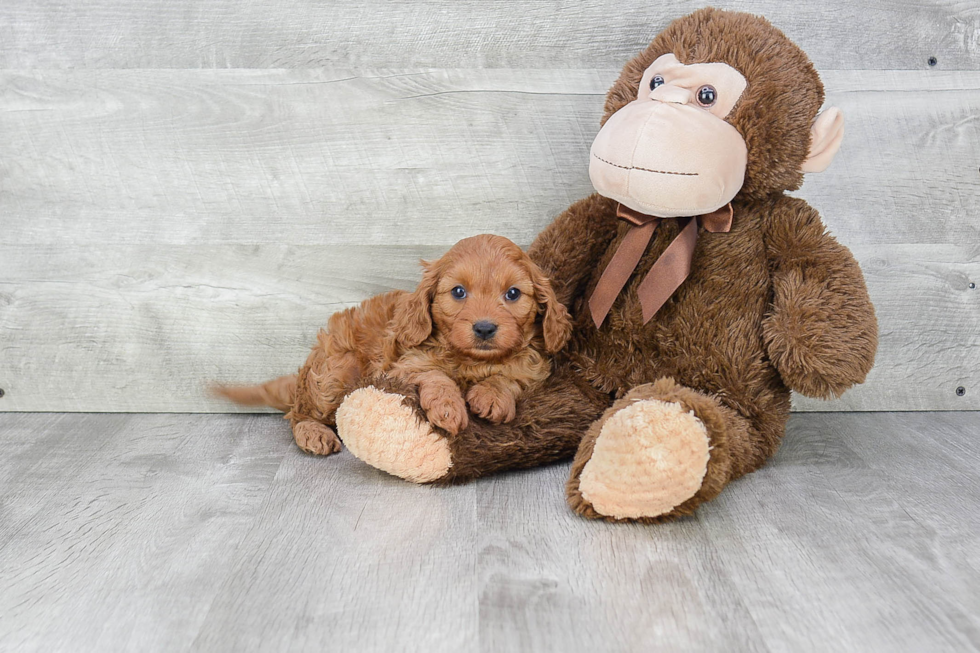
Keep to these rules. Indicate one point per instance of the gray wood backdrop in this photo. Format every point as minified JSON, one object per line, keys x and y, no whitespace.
{"x":188,"y":190}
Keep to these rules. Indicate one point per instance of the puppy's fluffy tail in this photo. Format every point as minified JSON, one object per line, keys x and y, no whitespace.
{"x":279,"y":393}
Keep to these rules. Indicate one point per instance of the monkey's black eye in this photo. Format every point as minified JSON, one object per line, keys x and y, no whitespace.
{"x":656,"y":81}
{"x":512,"y":294}
{"x":458,"y":292}
{"x":707,"y":96}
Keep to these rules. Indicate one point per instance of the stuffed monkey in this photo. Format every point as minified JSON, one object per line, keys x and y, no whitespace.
{"x":701,"y":293}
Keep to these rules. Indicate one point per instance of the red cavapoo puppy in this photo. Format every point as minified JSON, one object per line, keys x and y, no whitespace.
{"x":477,"y":326}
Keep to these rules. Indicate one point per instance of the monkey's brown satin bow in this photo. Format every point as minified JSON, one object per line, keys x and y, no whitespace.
{"x":667,"y":273}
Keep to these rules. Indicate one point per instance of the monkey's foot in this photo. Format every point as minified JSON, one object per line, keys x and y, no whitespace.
{"x":314,"y":437}
{"x":381,"y":430}
{"x":648,"y":458}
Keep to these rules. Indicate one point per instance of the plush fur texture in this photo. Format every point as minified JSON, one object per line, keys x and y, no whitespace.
{"x":649,"y":457}
{"x":547,"y":427}
{"x":729,"y":444}
{"x":413,"y":450}
{"x":431,"y":339}
{"x":774,"y":305}
{"x":777,"y":107}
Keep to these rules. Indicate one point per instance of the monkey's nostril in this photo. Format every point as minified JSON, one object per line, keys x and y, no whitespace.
{"x":484,"y":329}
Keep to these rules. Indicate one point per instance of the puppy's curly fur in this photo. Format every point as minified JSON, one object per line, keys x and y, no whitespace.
{"x":476,"y":331}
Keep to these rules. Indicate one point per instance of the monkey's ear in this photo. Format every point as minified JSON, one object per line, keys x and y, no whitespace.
{"x":825,"y":138}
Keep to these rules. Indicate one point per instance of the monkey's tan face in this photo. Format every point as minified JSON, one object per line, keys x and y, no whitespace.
{"x":670,"y":152}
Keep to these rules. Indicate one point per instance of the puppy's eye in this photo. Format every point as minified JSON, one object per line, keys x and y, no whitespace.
{"x":458,"y":292}
{"x":512,"y":294}
{"x":707,"y":96}
{"x":656,"y":81}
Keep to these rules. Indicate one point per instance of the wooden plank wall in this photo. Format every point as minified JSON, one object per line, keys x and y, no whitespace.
{"x":188,"y":190}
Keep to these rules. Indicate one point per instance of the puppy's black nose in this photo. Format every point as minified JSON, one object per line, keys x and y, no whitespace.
{"x":484,"y":329}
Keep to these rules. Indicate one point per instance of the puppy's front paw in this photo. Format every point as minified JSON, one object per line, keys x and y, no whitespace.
{"x":445,"y":409}
{"x":491,"y":403}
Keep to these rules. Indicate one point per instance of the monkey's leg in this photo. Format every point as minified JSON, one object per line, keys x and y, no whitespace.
{"x":382,"y":424}
{"x":658,"y":453}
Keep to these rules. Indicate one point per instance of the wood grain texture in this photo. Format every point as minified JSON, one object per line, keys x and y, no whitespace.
{"x":862,"y":34}
{"x":215,"y":533}
{"x":123,"y":519}
{"x":145,"y":329}
{"x":163,"y":229}
{"x":142,"y":328}
{"x":361,"y":561}
{"x":843,"y":470}
{"x":337,"y":157}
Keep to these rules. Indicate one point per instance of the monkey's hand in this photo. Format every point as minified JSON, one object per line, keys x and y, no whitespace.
{"x":821,"y":332}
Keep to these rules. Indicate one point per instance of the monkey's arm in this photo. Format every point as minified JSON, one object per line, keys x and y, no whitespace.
{"x":820,"y":332}
{"x":570,"y":247}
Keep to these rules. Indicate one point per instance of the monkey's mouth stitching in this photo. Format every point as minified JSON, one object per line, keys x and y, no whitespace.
{"x":661,"y":172}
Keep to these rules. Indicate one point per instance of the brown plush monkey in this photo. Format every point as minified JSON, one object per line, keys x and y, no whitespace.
{"x":701,"y":294}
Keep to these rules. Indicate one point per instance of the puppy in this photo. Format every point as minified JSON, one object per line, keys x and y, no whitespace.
{"x":475,"y":331}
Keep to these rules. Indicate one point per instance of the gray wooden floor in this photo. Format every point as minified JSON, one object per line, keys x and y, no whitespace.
{"x":214,"y":533}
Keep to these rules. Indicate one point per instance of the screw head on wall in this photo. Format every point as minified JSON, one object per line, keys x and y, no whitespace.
{"x":960,"y":391}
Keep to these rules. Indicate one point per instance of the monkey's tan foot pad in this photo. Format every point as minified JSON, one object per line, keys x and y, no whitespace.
{"x":315,"y":438}
{"x":649,"y":458}
{"x":380,"y":430}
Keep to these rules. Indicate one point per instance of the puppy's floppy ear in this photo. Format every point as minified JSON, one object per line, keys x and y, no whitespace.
{"x":556,"y":326}
{"x":412,"y":320}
